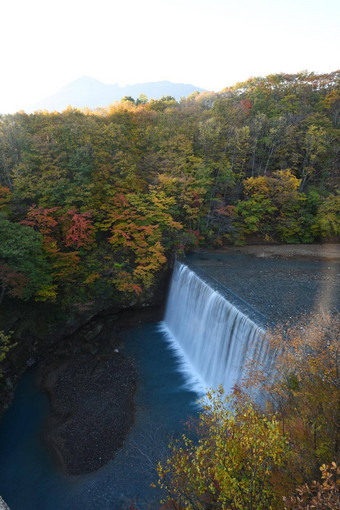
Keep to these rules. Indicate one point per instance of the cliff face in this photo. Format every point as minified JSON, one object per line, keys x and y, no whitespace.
{"x":41,"y":331}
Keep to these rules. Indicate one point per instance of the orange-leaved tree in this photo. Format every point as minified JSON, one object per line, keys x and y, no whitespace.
{"x":324,"y":495}
{"x":141,"y":229}
{"x":304,"y":391}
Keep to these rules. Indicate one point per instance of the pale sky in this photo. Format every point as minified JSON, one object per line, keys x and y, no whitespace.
{"x":46,"y":44}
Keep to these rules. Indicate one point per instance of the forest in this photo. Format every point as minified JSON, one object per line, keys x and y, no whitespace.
{"x":94,"y":205}
{"x":93,"y":202}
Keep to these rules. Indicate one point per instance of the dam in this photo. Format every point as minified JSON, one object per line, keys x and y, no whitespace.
{"x":217,"y":332}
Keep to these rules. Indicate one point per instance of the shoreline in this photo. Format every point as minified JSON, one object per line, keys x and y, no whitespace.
{"x":91,"y":388}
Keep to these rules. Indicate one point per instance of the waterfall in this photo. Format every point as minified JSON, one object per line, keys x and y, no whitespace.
{"x":213,"y":336}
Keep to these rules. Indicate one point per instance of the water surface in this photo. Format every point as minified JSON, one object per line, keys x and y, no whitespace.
{"x":30,"y":479}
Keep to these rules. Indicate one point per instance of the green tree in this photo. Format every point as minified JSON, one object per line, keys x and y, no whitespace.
{"x":24,"y":272}
{"x":314,"y":148}
{"x":327,"y":220}
{"x":272,"y":208}
{"x":128,"y":99}
{"x":142,"y":99}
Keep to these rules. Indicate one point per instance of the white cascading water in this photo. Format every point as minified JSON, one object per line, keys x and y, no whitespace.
{"x":213,"y":338}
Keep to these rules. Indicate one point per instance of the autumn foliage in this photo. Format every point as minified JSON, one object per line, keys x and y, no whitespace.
{"x":324,"y":495}
{"x":94,"y":205}
{"x":238,"y":455}
{"x":230,"y":461}
{"x":114,"y":193}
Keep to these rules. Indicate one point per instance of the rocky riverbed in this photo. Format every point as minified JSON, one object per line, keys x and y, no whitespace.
{"x":281,"y":282}
{"x":91,"y":387}
{"x":92,"y":409}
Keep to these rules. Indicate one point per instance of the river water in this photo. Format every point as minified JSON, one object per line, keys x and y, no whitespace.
{"x":29,"y":476}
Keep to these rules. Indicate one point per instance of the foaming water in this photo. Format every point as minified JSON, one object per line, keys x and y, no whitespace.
{"x":192,"y":379}
{"x":214,"y":339}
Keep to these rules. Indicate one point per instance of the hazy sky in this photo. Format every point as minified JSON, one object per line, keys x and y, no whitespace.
{"x":209,"y":43}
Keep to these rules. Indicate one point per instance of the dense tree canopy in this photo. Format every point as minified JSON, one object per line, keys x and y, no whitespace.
{"x":107,"y":195}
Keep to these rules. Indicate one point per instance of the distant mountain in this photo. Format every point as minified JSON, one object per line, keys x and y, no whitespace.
{"x":92,"y":93}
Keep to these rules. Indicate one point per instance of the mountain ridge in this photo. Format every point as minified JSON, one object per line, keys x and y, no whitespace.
{"x":92,"y":93}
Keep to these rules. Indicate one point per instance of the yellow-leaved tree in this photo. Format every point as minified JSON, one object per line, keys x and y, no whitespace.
{"x":231,"y":460}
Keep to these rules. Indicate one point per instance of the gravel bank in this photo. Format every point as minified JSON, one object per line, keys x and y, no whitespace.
{"x":92,"y":409}
{"x":91,"y":387}
{"x":281,"y":282}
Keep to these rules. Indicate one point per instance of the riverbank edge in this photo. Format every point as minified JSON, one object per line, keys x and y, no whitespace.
{"x":91,"y":388}
{"x":324,"y":251}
